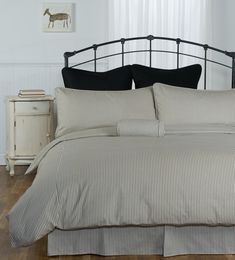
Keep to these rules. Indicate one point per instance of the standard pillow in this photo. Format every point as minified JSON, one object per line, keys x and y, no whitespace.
{"x":182,"y":77}
{"x":116,"y":79}
{"x":191,"y":106}
{"x":84,"y":109}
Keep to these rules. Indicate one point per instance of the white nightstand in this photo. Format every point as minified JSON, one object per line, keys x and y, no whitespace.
{"x":29,"y":127}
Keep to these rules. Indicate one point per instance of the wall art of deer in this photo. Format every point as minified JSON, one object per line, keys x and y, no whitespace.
{"x":66,"y":18}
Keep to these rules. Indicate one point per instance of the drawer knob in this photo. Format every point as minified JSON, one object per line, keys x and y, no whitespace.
{"x":35,"y":108}
{"x":48,"y":135}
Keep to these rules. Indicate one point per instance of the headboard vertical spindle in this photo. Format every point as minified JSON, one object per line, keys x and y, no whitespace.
{"x":178,"y":52}
{"x":205,"y":64}
{"x":123,"y":42}
{"x":95,"y":50}
{"x":150,"y":38}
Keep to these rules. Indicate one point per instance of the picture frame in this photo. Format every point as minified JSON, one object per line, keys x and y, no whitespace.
{"x":58,"y":17}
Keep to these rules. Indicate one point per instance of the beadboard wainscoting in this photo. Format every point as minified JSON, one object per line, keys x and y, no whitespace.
{"x":16,"y":76}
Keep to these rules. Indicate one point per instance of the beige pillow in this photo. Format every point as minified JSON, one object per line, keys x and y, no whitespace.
{"x":177,"y":105}
{"x":84,"y":109}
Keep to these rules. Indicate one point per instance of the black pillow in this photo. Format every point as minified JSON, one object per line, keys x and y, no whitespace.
{"x":182,"y":77}
{"x":116,"y":79}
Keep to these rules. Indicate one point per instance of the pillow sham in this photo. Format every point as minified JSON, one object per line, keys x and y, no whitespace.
{"x":116,"y":79}
{"x":84,"y":109}
{"x":191,"y":106}
{"x":182,"y":77}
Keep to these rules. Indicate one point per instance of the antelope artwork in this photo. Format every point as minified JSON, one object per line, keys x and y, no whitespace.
{"x":58,"y":17}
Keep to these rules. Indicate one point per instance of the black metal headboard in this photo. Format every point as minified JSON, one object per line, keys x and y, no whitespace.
{"x":150,"y":50}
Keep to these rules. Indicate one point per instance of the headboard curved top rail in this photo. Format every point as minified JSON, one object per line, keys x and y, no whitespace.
{"x":150,"y":50}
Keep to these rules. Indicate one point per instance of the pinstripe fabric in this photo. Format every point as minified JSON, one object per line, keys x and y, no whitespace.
{"x":84,"y":109}
{"x":161,"y":240}
{"x":118,"y":181}
{"x":107,"y":241}
{"x":185,"y":105}
{"x":199,"y":240}
{"x":140,"y":127}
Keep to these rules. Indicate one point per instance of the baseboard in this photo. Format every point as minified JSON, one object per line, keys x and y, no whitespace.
{"x":22,"y":162}
{"x":2,"y":159}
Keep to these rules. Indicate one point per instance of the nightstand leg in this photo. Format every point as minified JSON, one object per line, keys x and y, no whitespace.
{"x":11,"y":166}
{"x":7,"y":165}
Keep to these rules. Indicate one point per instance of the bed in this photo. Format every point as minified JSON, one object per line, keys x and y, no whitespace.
{"x":148,"y":171}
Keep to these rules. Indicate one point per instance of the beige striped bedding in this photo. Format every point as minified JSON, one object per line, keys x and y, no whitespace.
{"x":95,"y":178}
{"x":158,"y":240}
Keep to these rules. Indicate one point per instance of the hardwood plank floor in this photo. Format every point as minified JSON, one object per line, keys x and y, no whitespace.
{"x":11,"y":189}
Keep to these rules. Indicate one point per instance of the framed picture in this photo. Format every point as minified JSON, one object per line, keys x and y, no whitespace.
{"x":58,"y":17}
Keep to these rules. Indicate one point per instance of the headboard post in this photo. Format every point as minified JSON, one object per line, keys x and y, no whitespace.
{"x":66,"y":60}
{"x":66,"y":57}
{"x":233,"y":69}
{"x":232,"y":55}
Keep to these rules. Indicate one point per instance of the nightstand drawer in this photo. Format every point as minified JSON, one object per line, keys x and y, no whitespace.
{"x":34,"y":107}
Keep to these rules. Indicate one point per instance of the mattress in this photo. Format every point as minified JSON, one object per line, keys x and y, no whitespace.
{"x":161,"y":240}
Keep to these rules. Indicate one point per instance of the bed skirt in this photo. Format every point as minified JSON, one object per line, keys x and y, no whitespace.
{"x":161,"y":240}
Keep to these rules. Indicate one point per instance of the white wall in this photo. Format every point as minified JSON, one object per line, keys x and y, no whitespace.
{"x":219,"y":77}
{"x":22,"y":39}
{"x":229,"y":25}
{"x":30,"y":58}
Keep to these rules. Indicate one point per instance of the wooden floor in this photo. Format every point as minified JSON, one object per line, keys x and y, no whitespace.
{"x":10,"y":190}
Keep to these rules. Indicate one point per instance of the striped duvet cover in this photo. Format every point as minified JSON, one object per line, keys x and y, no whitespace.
{"x":95,"y":178}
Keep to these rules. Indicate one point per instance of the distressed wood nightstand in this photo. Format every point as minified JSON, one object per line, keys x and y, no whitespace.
{"x":29,"y":127}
